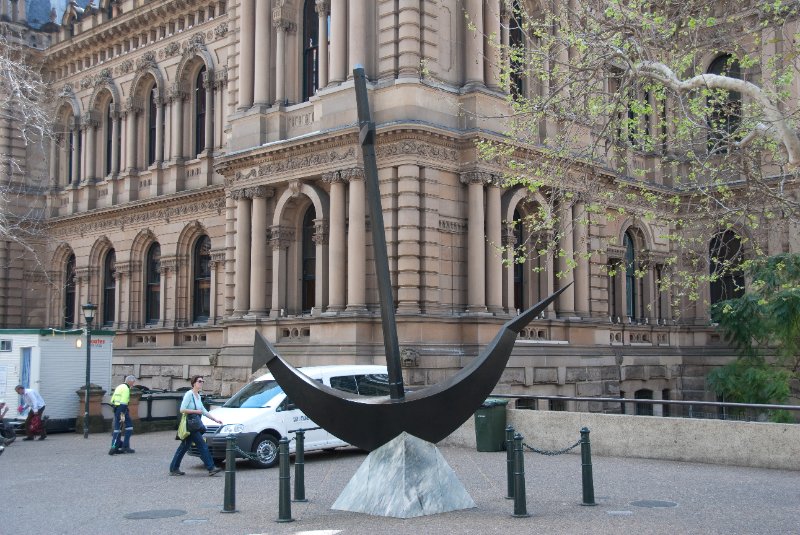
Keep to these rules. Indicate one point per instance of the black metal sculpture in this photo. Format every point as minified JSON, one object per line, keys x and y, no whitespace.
{"x":430,"y":414}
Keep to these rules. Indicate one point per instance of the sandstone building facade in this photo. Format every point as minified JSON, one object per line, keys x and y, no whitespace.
{"x":204,"y":182}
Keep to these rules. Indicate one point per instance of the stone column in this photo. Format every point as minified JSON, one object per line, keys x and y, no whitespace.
{"x":115,"y":141}
{"x":247,"y":19}
{"x":566,"y":301}
{"x":505,"y":38}
{"x":548,"y":277}
{"x":320,"y":239}
{"x":356,"y":241}
{"x":83,"y":164}
{"x":131,"y":111}
{"x":338,"y":72}
{"x":509,"y":242}
{"x":280,"y":237}
{"x":230,"y":256}
{"x":408,"y":239}
{"x":177,"y":96}
{"x":337,"y":250}
{"x":208,"y":127}
{"x":52,"y":167}
{"x":582,"y":273}
{"x":323,"y":8}
{"x":164,"y":269}
{"x":118,"y":280}
{"x":492,"y":26}
{"x":76,"y":155}
{"x":159,"y":100}
{"x":220,"y":81}
{"x":242,"y":255}
{"x":494,"y":260}
{"x":409,"y":39}
{"x":217,"y":261}
{"x":282,"y":27}
{"x":258,"y":254}
{"x":90,"y":127}
{"x":262,"y":52}
{"x":357,"y":25}
{"x":474,"y":43}
{"x":476,"y":246}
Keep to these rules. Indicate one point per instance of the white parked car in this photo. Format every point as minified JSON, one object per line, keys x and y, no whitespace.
{"x":260,"y":414}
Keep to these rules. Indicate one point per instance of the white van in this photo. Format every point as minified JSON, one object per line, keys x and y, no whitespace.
{"x":260,"y":414}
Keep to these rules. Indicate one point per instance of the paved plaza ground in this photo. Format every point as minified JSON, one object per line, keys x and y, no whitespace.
{"x":68,"y":484}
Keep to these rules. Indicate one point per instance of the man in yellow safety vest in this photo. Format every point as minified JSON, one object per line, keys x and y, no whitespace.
{"x":119,"y":400}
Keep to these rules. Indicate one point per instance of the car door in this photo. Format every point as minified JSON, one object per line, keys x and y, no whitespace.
{"x":294,"y":419}
{"x":345,"y":383}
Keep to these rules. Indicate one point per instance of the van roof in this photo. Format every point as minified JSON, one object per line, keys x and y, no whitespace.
{"x":320,"y":371}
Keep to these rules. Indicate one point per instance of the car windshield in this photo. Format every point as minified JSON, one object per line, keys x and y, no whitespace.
{"x":254,"y":395}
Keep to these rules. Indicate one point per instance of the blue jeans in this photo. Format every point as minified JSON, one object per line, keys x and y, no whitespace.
{"x":202,"y":447}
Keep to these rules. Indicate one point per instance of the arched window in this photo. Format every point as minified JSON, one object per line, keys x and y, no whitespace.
{"x":109,"y":288}
{"x":309,"y":260}
{"x":201,"y":292}
{"x":310,"y":49}
{"x":725,"y":259}
{"x":199,"y":113}
{"x":631,"y":295}
{"x":69,"y":293}
{"x":109,"y":129}
{"x":519,"y":269}
{"x":724,"y":106}
{"x":152,"y":126}
{"x":153,"y":285}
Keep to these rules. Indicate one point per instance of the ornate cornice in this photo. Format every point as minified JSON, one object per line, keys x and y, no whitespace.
{"x":136,"y":215}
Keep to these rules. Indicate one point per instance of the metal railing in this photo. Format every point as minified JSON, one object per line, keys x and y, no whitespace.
{"x":688,"y":409}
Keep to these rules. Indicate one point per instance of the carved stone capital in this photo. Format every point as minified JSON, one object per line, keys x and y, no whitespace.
{"x":280,"y":237}
{"x":354,"y":173}
{"x":177,"y":92}
{"x":320,"y":232}
{"x":509,"y":238}
{"x":332,"y":177}
{"x":323,"y":7}
{"x":476,"y":177}
{"x":168,"y":264}
{"x":133,"y":105}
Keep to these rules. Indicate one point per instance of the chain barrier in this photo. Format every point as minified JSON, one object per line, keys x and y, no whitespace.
{"x":553,"y":453}
{"x":248,"y":455}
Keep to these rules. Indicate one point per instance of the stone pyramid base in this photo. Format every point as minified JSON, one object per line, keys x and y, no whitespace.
{"x":404,"y":478}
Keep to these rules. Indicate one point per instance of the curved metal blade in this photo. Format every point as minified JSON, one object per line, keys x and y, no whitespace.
{"x":430,"y":414}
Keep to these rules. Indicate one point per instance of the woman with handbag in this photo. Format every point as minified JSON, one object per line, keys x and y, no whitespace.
{"x":192,"y":410}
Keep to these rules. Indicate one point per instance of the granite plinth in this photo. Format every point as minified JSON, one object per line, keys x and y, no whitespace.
{"x":405,"y":478}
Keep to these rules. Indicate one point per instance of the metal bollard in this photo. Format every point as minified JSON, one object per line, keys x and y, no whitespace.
{"x":510,"y":462}
{"x":229,"y":506}
{"x":586,"y":461}
{"x":299,"y":467}
{"x":520,"y":507}
{"x":284,"y":479}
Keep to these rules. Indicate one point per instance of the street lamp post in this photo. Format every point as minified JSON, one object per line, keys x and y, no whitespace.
{"x":88,"y":314}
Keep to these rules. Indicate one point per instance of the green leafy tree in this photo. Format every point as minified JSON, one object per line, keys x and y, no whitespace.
{"x":681,"y":114}
{"x":764,"y":327}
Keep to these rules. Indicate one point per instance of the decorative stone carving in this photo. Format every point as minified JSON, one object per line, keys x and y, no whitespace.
{"x":477,"y":177}
{"x":172,"y":49}
{"x":323,"y":7}
{"x":316,"y":159}
{"x":332,"y":177}
{"x":280,"y":237}
{"x":220,"y":77}
{"x":196,"y":43}
{"x":177,"y":91}
{"x":452,"y":226}
{"x":146,"y":61}
{"x":104,"y":77}
{"x":354,"y":173}
{"x":416,"y":148}
{"x":320,"y":236}
{"x":125,"y":67}
{"x":66,"y":91}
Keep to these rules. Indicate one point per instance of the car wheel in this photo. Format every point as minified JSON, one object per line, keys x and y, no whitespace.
{"x":265,"y":449}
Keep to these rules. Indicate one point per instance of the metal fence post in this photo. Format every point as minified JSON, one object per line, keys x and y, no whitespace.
{"x":284,"y":479}
{"x":586,"y":461}
{"x":299,"y":467}
{"x":520,"y":507}
{"x":510,"y":462}
{"x":229,"y":505}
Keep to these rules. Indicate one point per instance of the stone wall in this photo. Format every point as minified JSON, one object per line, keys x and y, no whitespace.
{"x":754,"y":444}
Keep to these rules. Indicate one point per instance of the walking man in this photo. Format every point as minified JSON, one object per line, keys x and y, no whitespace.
{"x":32,"y":400}
{"x":120,"y":400}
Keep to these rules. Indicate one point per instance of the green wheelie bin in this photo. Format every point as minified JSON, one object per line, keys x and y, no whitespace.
{"x":490,"y":425}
